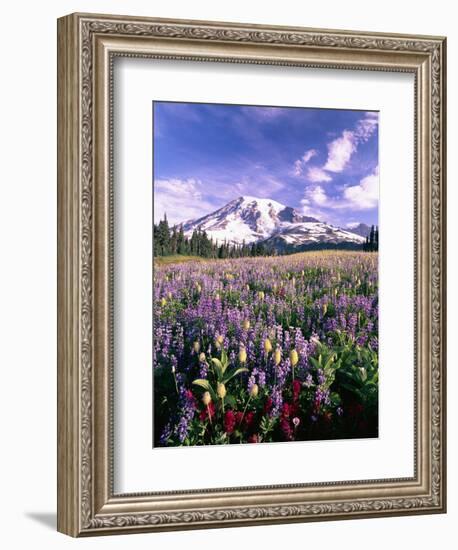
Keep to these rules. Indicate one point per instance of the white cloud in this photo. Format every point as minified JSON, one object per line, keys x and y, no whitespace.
{"x":314,"y":198}
{"x":364,"y":195}
{"x":308,"y":155}
{"x":316,"y":174}
{"x":366,"y":127}
{"x":318,"y":195}
{"x":312,"y":211}
{"x":340,"y":151}
{"x":297,"y":170}
{"x":299,"y":164}
{"x":180,"y":199}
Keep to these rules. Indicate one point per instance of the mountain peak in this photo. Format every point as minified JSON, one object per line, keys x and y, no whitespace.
{"x":249,"y":219}
{"x":248,"y":199}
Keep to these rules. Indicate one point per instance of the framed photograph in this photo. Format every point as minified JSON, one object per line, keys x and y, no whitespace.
{"x":251,"y":290}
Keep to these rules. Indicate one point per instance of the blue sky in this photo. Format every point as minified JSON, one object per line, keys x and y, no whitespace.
{"x":323,"y":162}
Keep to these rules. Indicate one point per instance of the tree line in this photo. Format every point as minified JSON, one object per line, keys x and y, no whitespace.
{"x":371,"y":244}
{"x":169,"y":241}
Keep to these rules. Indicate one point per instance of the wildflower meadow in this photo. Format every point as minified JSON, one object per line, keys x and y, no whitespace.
{"x":266,"y":349}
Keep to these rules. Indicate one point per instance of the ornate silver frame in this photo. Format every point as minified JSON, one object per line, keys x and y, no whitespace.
{"x":87,"y":44}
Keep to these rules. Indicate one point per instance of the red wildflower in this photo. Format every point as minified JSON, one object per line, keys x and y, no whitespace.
{"x":285,"y":427}
{"x":296,"y":389}
{"x":253,"y":438}
{"x":249,"y":418}
{"x":268,"y":405}
{"x":286,"y":410}
{"x":210,"y":410}
{"x":238,"y":417}
{"x":229,"y":421}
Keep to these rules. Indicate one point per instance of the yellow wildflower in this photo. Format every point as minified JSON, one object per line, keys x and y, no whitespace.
{"x":206,"y":398}
{"x":267,"y":345}
{"x":221,"y":390}
{"x":219,"y":341}
{"x":254,"y":391}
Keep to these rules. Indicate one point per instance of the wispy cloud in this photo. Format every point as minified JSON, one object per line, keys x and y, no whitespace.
{"x":317,"y":195}
{"x":366,"y":127}
{"x":363,"y":196}
{"x":340,"y":151}
{"x":299,"y":164}
{"x":308,"y":155}
{"x":342,"y":148}
{"x":319,"y":161}
{"x":315,"y":212}
{"x":316,"y":175}
{"x":315,"y":203}
{"x":180,"y":199}
{"x":265,"y":114}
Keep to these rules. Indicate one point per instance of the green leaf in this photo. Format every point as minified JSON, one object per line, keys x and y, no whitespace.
{"x":233,"y":373}
{"x":329,"y":363}
{"x":218,"y":368}
{"x":329,"y":380}
{"x":230,"y":401}
{"x":205,"y":384}
{"x":224,"y":361}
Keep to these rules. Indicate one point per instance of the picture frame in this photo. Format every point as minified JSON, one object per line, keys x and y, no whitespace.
{"x":87,"y":47}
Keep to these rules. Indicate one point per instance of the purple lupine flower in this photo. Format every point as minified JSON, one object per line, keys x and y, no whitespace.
{"x":277,"y":401}
{"x":308,"y":380}
{"x":320,"y":376}
{"x":187,"y":408}
{"x":166,"y":433}
{"x":261,"y":378}
{"x":291,"y":315}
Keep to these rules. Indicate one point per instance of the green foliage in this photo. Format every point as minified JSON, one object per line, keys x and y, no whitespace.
{"x":371,"y":244}
{"x":221,"y":375}
{"x":172,"y":242}
{"x":267,"y":427}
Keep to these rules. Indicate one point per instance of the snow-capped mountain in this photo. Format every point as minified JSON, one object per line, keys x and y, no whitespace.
{"x":316,"y":234}
{"x":250,"y":219}
{"x":359,"y":228}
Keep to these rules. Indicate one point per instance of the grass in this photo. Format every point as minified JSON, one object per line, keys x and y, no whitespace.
{"x":177,"y":259}
{"x":181,"y":259}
